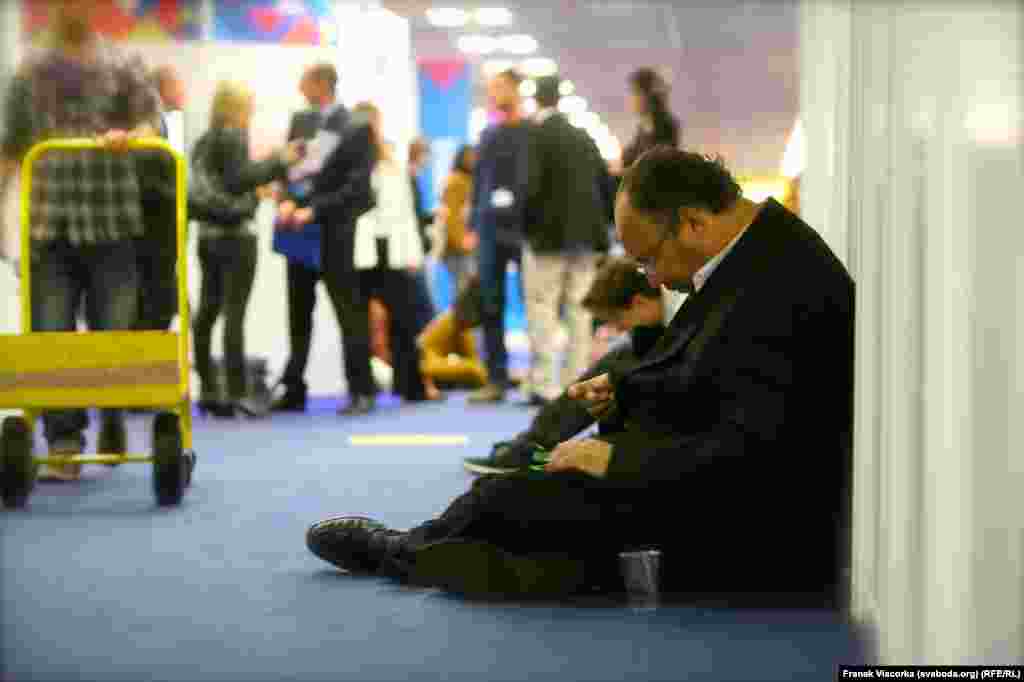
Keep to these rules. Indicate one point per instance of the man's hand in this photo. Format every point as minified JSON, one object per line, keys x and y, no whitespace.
{"x":596,"y":394}
{"x":302,"y":217}
{"x":115,"y":140}
{"x":589,"y":455}
{"x":470,"y":241}
{"x":285,"y":213}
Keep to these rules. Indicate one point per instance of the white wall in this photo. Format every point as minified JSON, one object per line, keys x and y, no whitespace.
{"x":914,"y":132}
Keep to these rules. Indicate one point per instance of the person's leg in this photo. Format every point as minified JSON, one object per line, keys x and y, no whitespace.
{"x":493,"y":261}
{"x":57,"y":288}
{"x":500,"y":537}
{"x":238,"y":279}
{"x":158,"y":284}
{"x":579,"y":277}
{"x":112,"y":303}
{"x":351,"y":307}
{"x":301,"y":303}
{"x":211,"y":299}
{"x":543,"y":275}
{"x":398,"y":293}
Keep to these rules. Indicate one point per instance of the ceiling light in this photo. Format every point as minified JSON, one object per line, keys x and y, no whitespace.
{"x":447,"y":17}
{"x":566,"y":88}
{"x":573,"y":104}
{"x":477,"y":44}
{"x":528,"y":88}
{"x":518,"y":44}
{"x":535,"y":67}
{"x":493,"y":16}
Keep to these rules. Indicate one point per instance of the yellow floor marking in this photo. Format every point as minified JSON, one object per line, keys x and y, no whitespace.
{"x":408,"y":439}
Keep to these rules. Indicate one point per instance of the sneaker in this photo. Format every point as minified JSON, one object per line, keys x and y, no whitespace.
{"x":506,"y":457}
{"x":73,"y":445}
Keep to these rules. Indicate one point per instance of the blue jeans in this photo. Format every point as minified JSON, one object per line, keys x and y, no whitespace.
{"x":103,"y":277}
{"x":492,"y":262}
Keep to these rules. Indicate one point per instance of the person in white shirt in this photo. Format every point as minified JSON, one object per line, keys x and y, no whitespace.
{"x":388,"y":254}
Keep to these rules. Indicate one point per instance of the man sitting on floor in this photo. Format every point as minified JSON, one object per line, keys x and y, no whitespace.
{"x":731,"y":452}
{"x":622,"y":297}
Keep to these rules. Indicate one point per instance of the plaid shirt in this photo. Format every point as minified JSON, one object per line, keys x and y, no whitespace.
{"x":86,"y":196}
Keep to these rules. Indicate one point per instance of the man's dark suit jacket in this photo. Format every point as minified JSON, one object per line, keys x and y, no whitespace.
{"x":303,"y":126}
{"x":736,"y":444}
{"x":565,"y":200}
{"x":341,"y":191}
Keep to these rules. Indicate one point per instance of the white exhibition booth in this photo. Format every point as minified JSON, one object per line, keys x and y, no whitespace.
{"x":375,"y":62}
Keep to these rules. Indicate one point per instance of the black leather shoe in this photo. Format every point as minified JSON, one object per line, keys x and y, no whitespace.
{"x":291,"y":401}
{"x":482,"y":570}
{"x":216,"y":408}
{"x":506,"y":457}
{"x":358,"y":405}
{"x":359,"y":544}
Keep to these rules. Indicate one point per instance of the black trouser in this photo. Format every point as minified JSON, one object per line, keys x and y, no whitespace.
{"x":493,"y":260}
{"x":158,"y":283}
{"x":535,"y":513}
{"x":351,"y":305}
{"x":228,"y":267}
{"x":397,"y":290}
{"x":301,"y":302}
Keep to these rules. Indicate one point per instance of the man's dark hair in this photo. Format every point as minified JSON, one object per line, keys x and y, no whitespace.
{"x":513,"y":76}
{"x":617,"y":281}
{"x":547,"y":91}
{"x":325,"y":73}
{"x":666,"y":179}
{"x":462,"y":159}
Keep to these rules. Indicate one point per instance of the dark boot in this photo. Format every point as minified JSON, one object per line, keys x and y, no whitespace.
{"x":293,"y":400}
{"x":359,"y":405}
{"x":113,"y":439}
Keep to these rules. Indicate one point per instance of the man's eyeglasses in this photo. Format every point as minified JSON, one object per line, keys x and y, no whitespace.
{"x":649,"y":261}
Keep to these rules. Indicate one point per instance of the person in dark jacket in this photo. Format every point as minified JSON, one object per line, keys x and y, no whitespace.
{"x":227,"y":252}
{"x":622,"y":297}
{"x":566,"y":231}
{"x":338,"y":191}
{"x":157,"y":249}
{"x":497,"y":218}
{"x":648,"y":100}
{"x":302,"y":279}
{"x":728,"y":445}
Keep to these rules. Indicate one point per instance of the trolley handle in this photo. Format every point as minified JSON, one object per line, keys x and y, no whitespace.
{"x":86,"y":143}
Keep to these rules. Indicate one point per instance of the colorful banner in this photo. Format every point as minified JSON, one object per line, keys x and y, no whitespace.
{"x":132,"y":20}
{"x":446,"y":97}
{"x":294,"y":22}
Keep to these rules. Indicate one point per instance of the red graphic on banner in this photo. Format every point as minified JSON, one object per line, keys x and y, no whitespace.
{"x":304,"y":32}
{"x":265,"y":18}
{"x":444,"y":72}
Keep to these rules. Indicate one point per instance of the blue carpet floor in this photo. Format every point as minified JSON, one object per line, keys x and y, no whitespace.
{"x":99,"y":584}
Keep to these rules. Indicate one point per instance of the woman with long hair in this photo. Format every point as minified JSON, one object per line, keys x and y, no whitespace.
{"x":648,"y":100}
{"x":388,"y":253}
{"x":455,"y":199}
{"x":227,"y":246}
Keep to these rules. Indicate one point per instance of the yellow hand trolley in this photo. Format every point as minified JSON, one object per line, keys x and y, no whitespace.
{"x":113,"y":369}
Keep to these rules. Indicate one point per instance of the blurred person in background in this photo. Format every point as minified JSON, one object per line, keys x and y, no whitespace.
{"x":228,"y":247}
{"x":301,"y":278}
{"x":388,"y":253}
{"x":455,"y":202}
{"x":499,"y":189}
{"x":648,"y":100}
{"x":86,"y":206}
{"x":336,"y":175}
{"x":419,"y":154}
{"x":566,"y":230}
{"x":622,"y":297}
{"x":157,"y":249}
{"x":448,"y":353}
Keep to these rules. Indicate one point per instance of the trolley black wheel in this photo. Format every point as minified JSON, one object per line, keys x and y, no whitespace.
{"x":170,"y":464}
{"x":190,"y":455}
{"x":18,"y":475}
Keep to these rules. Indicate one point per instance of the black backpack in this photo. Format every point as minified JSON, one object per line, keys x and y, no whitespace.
{"x":208,"y":201}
